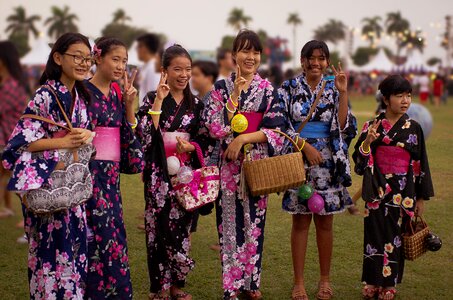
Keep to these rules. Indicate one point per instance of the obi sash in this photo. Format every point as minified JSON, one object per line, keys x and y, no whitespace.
{"x":392,"y":160}
{"x":254,"y":119}
{"x":108,"y":144}
{"x":170,"y":141}
{"x":316,"y":130}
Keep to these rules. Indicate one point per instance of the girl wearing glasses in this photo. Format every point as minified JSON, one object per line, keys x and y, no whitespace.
{"x":57,"y":244}
{"x":117,"y":151}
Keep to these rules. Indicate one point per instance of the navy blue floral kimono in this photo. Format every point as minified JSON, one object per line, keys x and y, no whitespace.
{"x":390,"y":196}
{"x":108,"y":264}
{"x":333,"y":175}
{"x":57,"y":244}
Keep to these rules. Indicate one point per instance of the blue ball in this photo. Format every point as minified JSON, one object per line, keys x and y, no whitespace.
{"x":422,"y":116}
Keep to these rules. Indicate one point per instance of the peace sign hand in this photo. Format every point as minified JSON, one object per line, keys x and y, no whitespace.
{"x":163,"y":89}
{"x":130,"y":90}
{"x":372,"y":133}
{"x":341,"y":81}
{"x":239,"y":83}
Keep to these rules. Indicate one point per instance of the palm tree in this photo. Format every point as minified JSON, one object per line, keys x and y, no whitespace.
{"x":20,"y":24}
{"x":294,"y":20}
{"x":61,"y":21}
{"x":372,"y":29}
{"x":237,"y":19}
{"x":413,"y":40}
{"x":333,"y":31}
{"x":120,"y":17}
{"x":397,"y":26}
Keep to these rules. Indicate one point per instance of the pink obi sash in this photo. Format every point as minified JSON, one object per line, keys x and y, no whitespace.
{"x":392,"y":160}
{"x":170,"y":141}
{"x":108,"y":144}
{"x":254,"y":119}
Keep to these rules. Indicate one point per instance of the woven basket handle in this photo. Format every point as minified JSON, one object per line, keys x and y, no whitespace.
{"x":199,"y":153}
{"x":286,"y":136}
{"x":413,"y":223}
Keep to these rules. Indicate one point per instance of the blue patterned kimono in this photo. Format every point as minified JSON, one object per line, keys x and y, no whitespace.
{"x":108,"y":264}
{"x":333,"y":175}
{"x":57,"y":245}
{"x":241,"y":217}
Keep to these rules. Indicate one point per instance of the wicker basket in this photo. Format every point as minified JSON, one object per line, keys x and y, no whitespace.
{"x":414,"y":240}
{"x":275,"y":174}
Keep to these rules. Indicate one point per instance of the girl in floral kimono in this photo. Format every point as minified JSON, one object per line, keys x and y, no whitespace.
{"x":324,"y":142}
{"x":391,"y":155}
{"x":57,"y":244}
{"x":168,"y":120}
{"x":113,"y":119}
{"x":241,"y":217}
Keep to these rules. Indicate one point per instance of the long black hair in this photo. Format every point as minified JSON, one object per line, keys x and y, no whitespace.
{"x":10,"y":58}
{"x":54,"y":72}
{"x":167,"y":57}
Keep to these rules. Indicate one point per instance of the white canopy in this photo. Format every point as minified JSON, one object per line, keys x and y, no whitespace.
{"x":380,"y":62}
{"x":416,"y":62}
{"x":38,"y":54}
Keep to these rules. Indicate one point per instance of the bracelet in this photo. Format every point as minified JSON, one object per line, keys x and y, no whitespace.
{"x":303,"y":145}
{"x":133,"y":125}
{"x":154,"y":113}
{"x":232,"y":102}
{"x":362,"y":151}
{"x":229,"y":110}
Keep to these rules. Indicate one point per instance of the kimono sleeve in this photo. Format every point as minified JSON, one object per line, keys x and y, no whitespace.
{"x":423,"y":182}
{"x":131,"y":150}
{"x":203,"y":139}
{"x":145,"y":130}
{"x":215,"y":115}
{"x":30,"y":170}
{"x":361,"y":161}
{"x":274,"y":118}
{"x":349,"y":131}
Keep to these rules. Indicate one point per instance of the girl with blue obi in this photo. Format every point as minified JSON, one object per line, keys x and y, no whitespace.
{"x":324,"y":141}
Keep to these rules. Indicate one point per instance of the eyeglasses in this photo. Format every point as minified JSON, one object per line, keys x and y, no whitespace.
{"x":79,"y":59}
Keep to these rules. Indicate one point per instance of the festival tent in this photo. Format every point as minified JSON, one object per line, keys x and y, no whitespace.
{"x":39,"y":53}
{"x":416,"y":62}
{"x":380,"y":62}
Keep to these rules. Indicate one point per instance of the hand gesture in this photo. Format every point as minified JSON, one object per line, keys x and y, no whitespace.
{"x":162,"y":89}
{"x":341,"y":81}
{"x":239,"y":83}
{"x":312,"y":154}
{"x":184,"y":146}
{"x":130,"y":90}
{"x":372,"y":133}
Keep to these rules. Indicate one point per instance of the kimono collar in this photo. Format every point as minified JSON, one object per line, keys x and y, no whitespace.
{"x":256,"y":81}
{"x":304,"y":82}
{"x":64,"y":95}
{"x":388,"y":128}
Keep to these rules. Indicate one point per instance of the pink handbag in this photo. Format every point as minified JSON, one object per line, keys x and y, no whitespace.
{"x":204,"y":187}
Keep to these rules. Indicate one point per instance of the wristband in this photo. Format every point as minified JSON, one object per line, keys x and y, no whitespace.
{"x":232,"y":102}
{"x":362,"y":151}
{"x":154,"y":113}
{"x":133,"y":125}
{"x":229,"y":110}
{"x":303,"y":145}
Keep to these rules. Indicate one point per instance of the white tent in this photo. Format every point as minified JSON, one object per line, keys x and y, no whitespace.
{"x":38,"y":54}
{"x":380,"y":62}
{"x":416,"y":62}
{"x":132,"y":56}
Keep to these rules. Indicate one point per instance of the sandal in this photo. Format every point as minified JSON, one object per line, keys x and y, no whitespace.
{"x":369,"y":291}
{"x":299,"y":293}
{"x":253,"y":295}
{"x":325,"y":291}
{"x":387,"y":294}
{"x":158,"y":296}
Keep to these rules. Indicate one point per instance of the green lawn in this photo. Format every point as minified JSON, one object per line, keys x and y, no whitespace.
{"x":430,"y":277}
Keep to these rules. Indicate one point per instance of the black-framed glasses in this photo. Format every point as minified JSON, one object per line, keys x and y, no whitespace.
{"x":79,"y":59}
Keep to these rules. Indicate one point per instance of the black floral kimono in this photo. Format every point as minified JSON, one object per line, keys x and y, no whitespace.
{"x":395,"y":175}
{"x":167,"y":224}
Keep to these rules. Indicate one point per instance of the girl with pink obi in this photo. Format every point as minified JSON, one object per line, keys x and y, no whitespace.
{"x":391,"y":155}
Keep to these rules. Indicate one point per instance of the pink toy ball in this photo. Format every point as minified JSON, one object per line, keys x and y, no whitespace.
{"x":315,"y":203}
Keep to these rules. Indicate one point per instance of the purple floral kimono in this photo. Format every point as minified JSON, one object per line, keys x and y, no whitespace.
{"x":57,"y":244}
{"x":108,"y":263}
{"x":390,"y":196}
{"x":241,"y":217}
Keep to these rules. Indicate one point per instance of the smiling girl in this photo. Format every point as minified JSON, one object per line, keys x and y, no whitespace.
{"x":57,"y":251}
{"x":168,"y":120}
{"x":113,"y":119}
{"x":391,"y":155}
{"x":241,"y":217}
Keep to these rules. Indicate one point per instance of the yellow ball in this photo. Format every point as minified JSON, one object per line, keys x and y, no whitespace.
{"x":239,"y":123}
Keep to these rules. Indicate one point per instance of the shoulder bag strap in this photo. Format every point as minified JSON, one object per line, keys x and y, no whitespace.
{"x":60,"y":106}
{"x":312,"y":108}
{"x":46,"y":120}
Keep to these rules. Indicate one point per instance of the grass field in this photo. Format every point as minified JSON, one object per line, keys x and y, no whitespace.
{"x":430,"y":277}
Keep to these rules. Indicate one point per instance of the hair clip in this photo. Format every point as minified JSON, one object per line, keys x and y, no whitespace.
{"x":97,"y":51}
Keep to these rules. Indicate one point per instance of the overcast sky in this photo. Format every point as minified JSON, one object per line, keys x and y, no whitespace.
{"x":200,"y":24}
